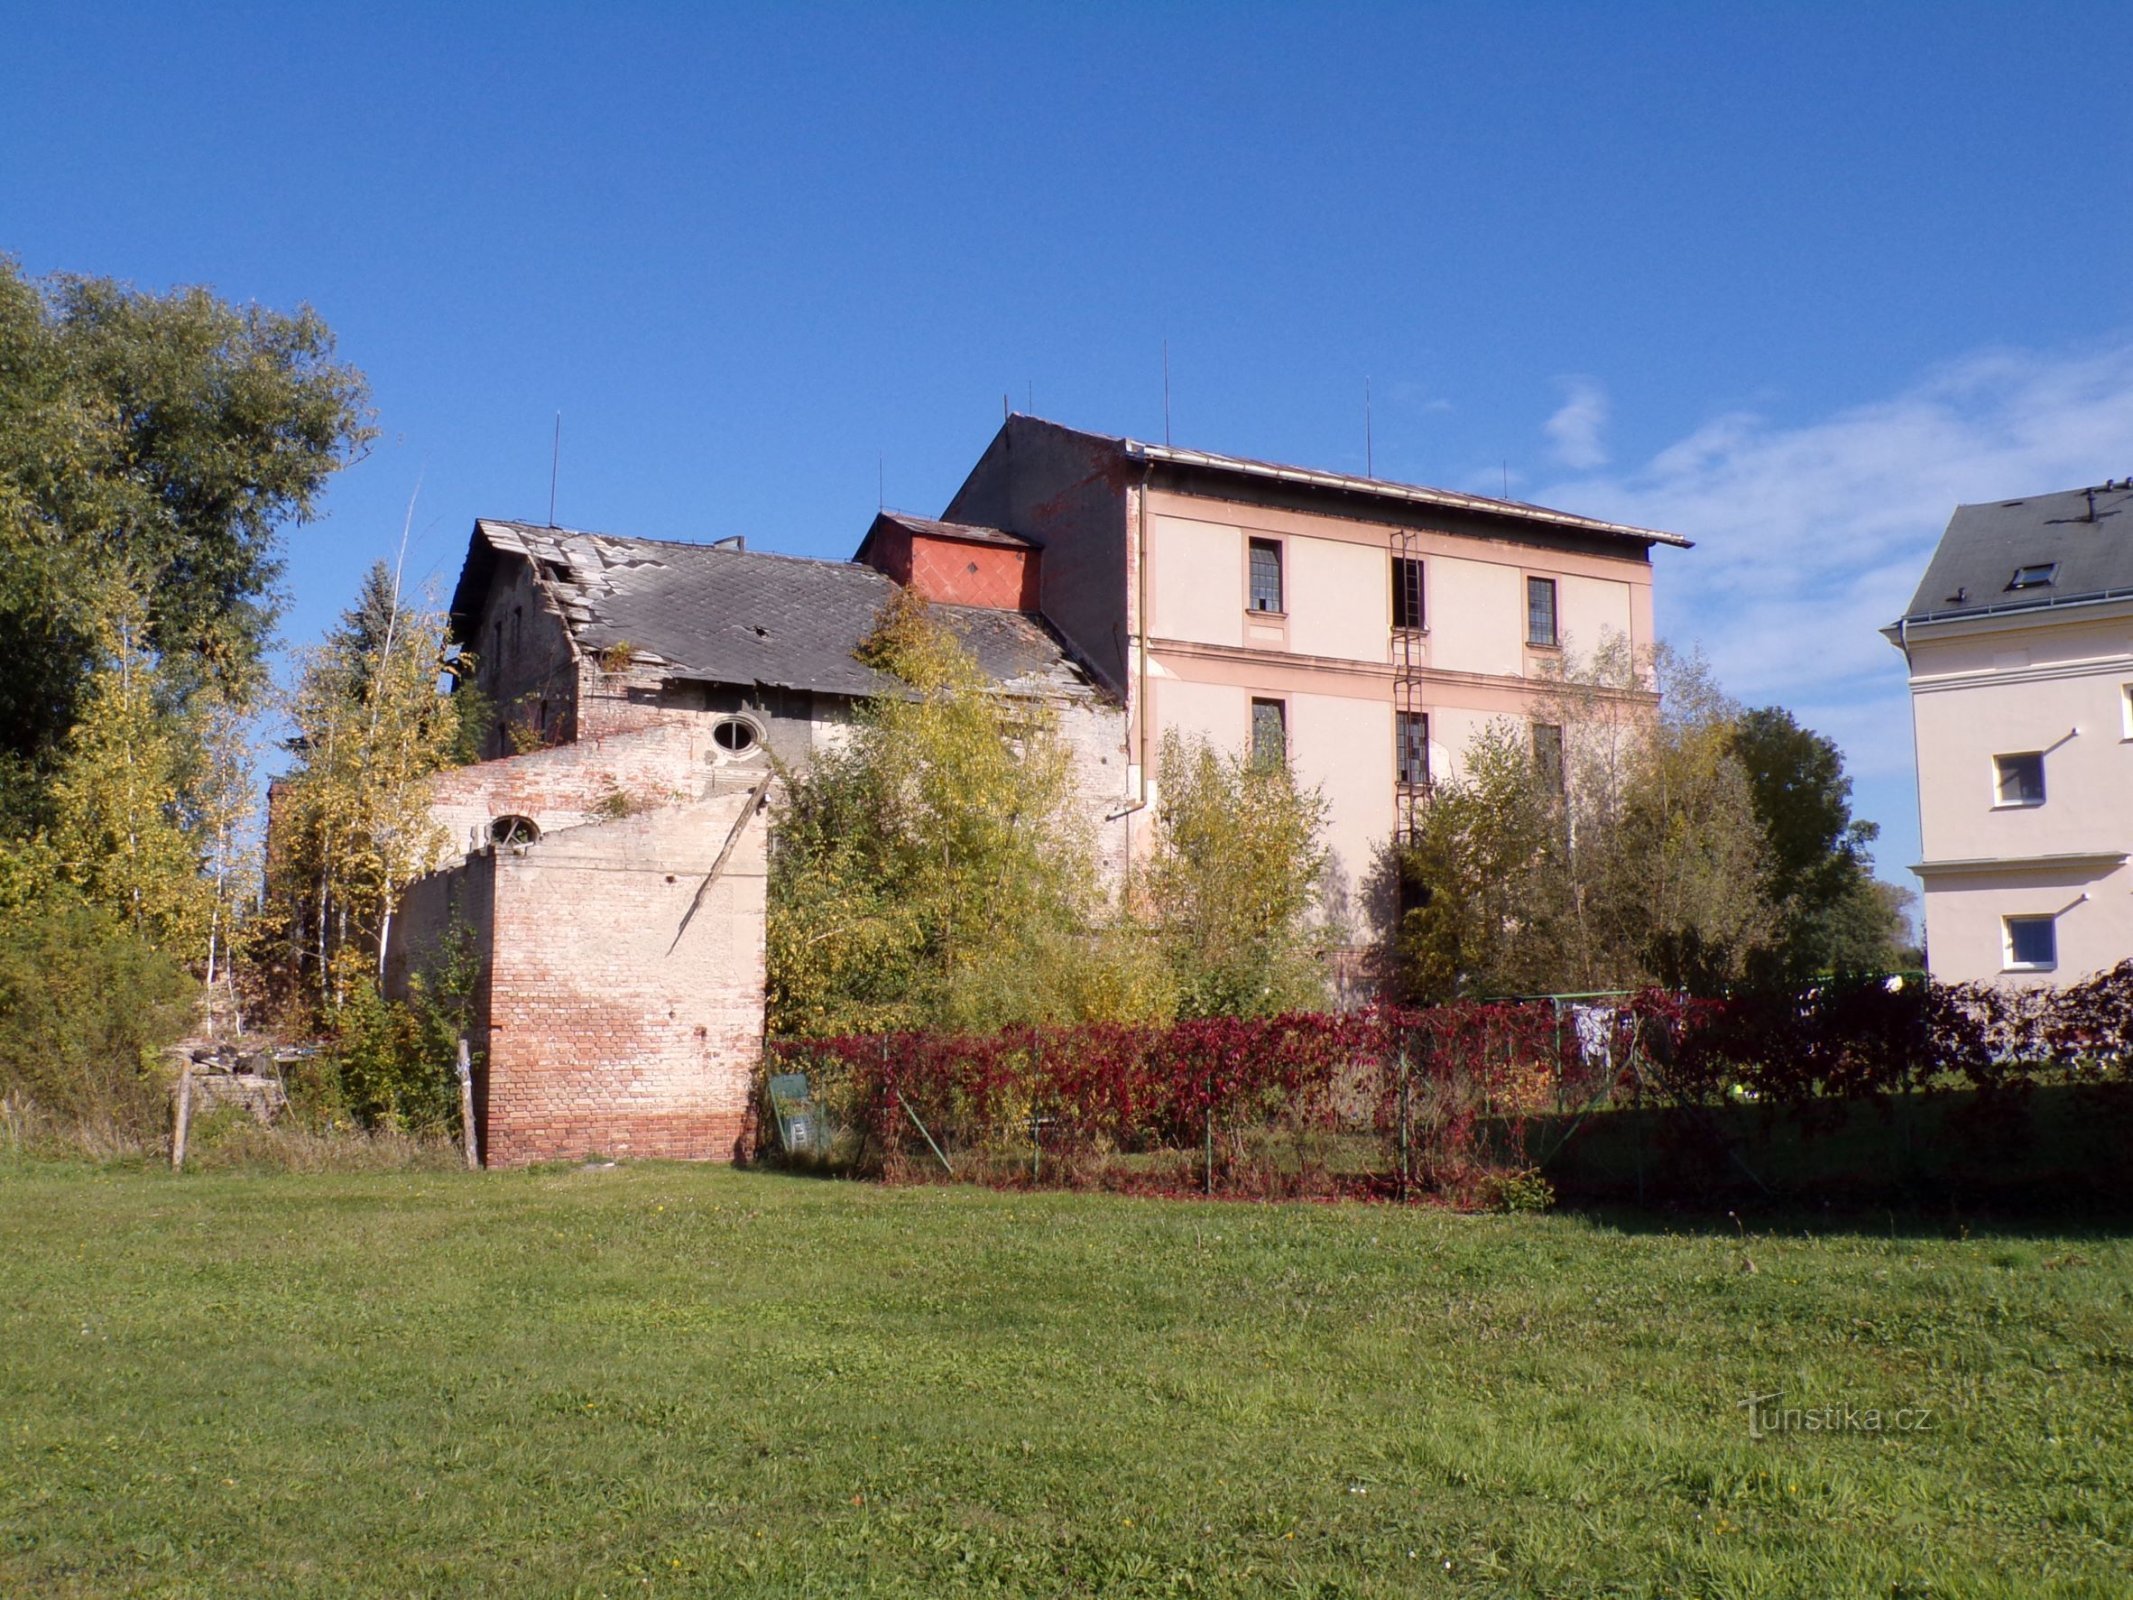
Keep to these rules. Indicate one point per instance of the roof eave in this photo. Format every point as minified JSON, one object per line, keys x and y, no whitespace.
{"x":1406,"y":493}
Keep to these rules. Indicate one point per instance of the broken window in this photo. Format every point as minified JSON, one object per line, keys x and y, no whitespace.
{"x":1270,"y":733}
{"x":1411,"y":748}
{"x":510,"y":830}
{"x":1266,"y":574}
{"x":1407,"y":610}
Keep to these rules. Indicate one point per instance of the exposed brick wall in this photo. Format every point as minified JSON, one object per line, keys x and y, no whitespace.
{"x":617,"y":1022}
{"x":573,"y":784}
{"x":614,"y":1028}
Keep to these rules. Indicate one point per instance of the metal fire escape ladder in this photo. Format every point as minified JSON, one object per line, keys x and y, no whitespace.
{"x":1410,"y":709}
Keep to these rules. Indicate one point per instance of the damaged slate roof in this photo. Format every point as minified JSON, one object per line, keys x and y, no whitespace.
{"x":721,"y":614}
{"x":2043,"y":550}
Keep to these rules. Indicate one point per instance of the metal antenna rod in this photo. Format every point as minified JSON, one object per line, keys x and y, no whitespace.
{"x":1166,"y":392}
{"x":1370,"y":460}
{"x":555,"y":463}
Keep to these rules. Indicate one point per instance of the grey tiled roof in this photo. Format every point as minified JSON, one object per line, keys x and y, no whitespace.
{"x":2091,"y":551}
{"x":933,"y":527}
{"x":717,"y":614}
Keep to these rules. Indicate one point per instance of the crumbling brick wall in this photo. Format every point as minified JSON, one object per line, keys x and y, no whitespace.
{"x":622,"y":982}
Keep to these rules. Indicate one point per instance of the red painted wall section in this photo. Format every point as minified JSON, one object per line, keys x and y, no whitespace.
{"x":969,"y":573}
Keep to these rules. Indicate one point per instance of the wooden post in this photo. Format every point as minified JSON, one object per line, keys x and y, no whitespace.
{"x":184,"y":1120}
{"x":466,"y":1108}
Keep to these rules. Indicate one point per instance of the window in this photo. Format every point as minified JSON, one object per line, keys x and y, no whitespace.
{"x":2037,"y":575}
{"x":2020,"y":779}
{"x":1540,"y":612}
{"x":1411,"y":748}
{"x":1266,"y":574}
{"x":2125,"y":710}
{"x":1548,"y":753}
{"x":1407,"y":609}
{"x":510,"y":830}
{"x":1270,"y":733}
{"x":735,"y":735}
{"x":2032,"y":943}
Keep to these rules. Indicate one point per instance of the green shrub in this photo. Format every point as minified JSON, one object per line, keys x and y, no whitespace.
{"x":1512,"y":1192}
{"x":86,"y":1011}
{"x":392,"y":1064}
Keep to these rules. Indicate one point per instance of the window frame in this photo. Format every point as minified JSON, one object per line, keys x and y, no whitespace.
{"x":1534,"y":584}
{"x":1280,"y":707}
{"x":2050,"y":569}
{"x":1401,"y":723}
{"x":2010,"y":957}
{"x":1254,"y":545}
{"x":1419,"y":621}
{"x":2003,"y":767}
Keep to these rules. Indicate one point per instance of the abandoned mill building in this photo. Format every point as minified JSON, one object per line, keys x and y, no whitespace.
{"x":610,"y":854}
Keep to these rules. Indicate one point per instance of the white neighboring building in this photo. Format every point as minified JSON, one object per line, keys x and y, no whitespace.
{"x":2020,"y":647}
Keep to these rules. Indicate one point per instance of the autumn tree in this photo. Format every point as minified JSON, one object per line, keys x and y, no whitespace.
{"x":1231,"y":886}
{"x":120,"y":832}
{"x":935,"y":871}
{"x":1611,"y":842}
{"x":352,"y":824}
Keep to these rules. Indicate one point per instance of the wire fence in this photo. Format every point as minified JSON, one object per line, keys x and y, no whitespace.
{"x":1465,"y":1103}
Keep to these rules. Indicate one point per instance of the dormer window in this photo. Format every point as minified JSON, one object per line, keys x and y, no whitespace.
{"x":2038,"y":575}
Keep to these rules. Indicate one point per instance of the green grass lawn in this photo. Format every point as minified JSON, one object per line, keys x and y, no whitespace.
{"x":675,"y":1380}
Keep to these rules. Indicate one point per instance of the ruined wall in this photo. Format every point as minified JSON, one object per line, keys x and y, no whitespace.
{"x":571,"y":785}
{"x":525,"y":662}
{"x":620,"y":1022}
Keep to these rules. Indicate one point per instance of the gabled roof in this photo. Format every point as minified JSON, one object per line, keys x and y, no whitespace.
{"x":2083,"y":536}
{"x":1245,"y":469}
{"x":721,"y":614}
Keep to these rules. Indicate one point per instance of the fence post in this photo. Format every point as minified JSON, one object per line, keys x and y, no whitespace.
{"x":183,"y":1123}
{"x":466,"y":1108}
{"x":1210,"y":1137}
{"x":1406,"y":1147}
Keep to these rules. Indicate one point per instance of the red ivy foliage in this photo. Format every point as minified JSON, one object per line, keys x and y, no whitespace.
{"x":1448,"y":1090}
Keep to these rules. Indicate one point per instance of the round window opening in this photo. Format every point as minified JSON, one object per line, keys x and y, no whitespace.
{"x":736,"y":736}
{"x":513,"y":830}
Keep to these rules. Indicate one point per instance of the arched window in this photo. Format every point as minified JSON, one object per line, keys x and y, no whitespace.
{"x":736,"y":736}
{"x":510,"y":830}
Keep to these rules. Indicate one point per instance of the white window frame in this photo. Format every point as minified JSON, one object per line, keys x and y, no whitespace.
{"x":2008,"y":963}
{"x":2000,"y":802}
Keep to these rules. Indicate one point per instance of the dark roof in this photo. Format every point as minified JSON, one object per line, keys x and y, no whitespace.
{"x":1309,"y":478}
{"x":2084,"y":535}
{"x":933,"y":528}
{"x":719,"y":614}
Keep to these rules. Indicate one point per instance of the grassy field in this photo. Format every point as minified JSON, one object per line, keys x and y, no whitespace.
{"x":668,"y":1380}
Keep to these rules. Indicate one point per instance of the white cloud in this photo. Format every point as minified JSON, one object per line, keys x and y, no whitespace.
{"x":1576,"y":427}
{"x":1812,"y":537}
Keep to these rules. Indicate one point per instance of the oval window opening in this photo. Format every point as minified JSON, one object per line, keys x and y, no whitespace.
{"x":734,"y":736}
{"x":513,"y":830}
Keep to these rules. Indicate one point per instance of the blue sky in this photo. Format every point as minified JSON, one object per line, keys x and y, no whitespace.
{"x":1792,"y":281}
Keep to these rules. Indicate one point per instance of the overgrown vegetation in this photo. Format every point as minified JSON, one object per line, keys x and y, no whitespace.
{"x":1676,"y":841}
{"x":688,"y":1381}
{"x":937,"y":871}
{"x":151,"y":449}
